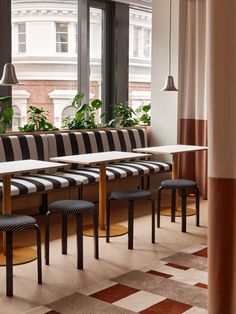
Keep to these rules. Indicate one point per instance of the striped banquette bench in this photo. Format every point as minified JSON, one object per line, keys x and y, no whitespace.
{"x":45,"y":146}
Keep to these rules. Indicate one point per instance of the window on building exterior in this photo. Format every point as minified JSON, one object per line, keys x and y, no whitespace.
{"x":21,"y":37}
{"x":61,"y":37}
{"x":140,"y":57}
{"x":46,"y":32}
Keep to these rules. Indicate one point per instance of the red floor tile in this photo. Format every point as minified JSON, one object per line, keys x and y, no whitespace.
{"x":201,"y":285}
{"x":177,"y":266}
{"x":158,"y":273}
{"x":114,"y":293}
{"x":202,"y":252}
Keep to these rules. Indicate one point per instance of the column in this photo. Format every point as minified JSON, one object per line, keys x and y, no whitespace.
{"x":221,"y":34}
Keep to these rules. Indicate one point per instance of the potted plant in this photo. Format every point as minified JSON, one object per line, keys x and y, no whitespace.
{"x":143,"y":113}
{"x":38,"y":119}
{"x":123,"y":116}
{"x":85,"y":117}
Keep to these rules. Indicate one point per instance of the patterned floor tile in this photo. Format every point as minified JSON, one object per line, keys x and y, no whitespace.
{"x":167,"y":307}
{"x":165,"y":287}
{"x":81,"y":304}
{"x":139,"y":301}
{"x":194,"y":248}
{"x":189,"y":260}
{"x":176,"y":284}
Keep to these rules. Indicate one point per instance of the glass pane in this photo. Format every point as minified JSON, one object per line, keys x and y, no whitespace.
{"x":140,"y":47}
{"x":21,"y":28}
{"x":49,"y":80}
{"x":95,"y":48}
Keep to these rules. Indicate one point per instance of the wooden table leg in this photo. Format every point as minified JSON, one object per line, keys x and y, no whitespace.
{"x":20,"y":255}
{"x":115,"y":229}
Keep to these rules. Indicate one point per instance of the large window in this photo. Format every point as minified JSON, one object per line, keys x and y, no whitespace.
{"x":21,"y":27}
{"x":140,"y":57}
{"x":46,"y":52}
{"x":62,"y":37}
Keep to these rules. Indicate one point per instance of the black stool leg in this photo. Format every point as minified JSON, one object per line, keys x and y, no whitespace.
{"x":130,"y":224}
{"x":108,"y":214}
{"x":197,"y":207}
{"x":64,"y":234}
{"x":184,"y":209}
{"x":9,"y":264}
{"x":39,"y":258}
{"x":79,"y":222}
{"x":47,"y":236}
{"x":95,"y":228}
{"x":159,"y":206}
{"x":173,"y":204}
{"x":153,"y":220}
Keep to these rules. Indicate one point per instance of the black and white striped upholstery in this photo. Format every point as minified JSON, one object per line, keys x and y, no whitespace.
{"x":45,"y":146}
{"x":16,"y":222}
{"x":22,"y":147}
{"x":86,"y":142}
{"x":73,"y":207}
{"x":130,"y":194}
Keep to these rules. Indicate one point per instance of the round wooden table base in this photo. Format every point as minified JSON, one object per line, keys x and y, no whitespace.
{"x":21,"y":255}
{"x":178,"y":213}
{"x":115,"y":231}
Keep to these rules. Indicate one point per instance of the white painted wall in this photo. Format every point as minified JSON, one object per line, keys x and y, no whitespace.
{"x":164,"y":104}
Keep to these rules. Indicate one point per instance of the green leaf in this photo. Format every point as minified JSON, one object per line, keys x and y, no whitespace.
{"x":4,"y":99}
{"x":146,"y":108}
{"x":77,"y":99}
{"x":96,"y":103}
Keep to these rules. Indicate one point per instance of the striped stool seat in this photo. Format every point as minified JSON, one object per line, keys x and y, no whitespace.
{"x":79,"y":208}
{"x":183,"y":185}
{"x":16,"y":222}
{"x":10,"y":224}
{"x":74,"y":207}
{"x":130,"y":195}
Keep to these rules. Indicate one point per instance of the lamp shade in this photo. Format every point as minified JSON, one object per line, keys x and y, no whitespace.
{"x":9,"y":75}
{"x":169,"y":84}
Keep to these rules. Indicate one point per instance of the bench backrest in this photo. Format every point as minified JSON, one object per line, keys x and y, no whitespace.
{"x":61,"y":144}
{"x":19,"y":147}
{"x":45,"y":146}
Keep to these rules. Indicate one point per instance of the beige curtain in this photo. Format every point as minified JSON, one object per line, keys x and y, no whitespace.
{"x":192,"y":90}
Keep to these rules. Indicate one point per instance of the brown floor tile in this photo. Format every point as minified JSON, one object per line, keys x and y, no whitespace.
{"x":114,"y":293}
{"x":167,"y":306}
{"x":158,"y":273}
{"x":177,"y":266}
{"x":201,"y":285}
{"x":202,"y":253}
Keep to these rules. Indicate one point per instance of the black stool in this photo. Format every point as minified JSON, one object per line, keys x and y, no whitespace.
{"x":10,"y":224}
{"x":182,"y":185}
{"x":130,"y":195}
{"x":77,"y":208}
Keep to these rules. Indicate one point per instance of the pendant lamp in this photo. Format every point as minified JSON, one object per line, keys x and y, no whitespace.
{"x":9,"y":75}
{"x":169,"y":84}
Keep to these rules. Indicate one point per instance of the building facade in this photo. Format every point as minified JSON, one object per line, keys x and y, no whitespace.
{"x":44,"y":52}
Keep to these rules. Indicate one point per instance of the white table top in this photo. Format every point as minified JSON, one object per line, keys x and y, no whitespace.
{"x":11,"y":167}
{"x":171,"y":149}
{"x":87,"y":159}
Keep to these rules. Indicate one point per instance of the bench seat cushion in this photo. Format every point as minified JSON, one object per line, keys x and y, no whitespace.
{"x":21,"y":185}
{"x":122,"y":170}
